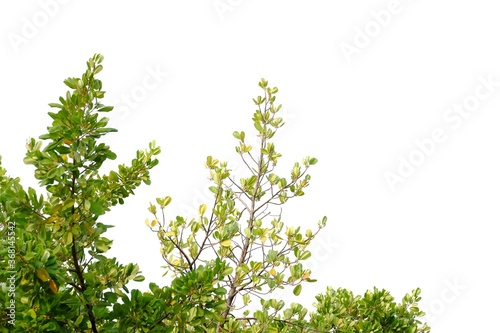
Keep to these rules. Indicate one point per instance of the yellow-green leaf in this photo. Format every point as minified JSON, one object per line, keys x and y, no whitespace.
{"x":166,"y":201}
{"x":67,"y":238}
{"x":89,"y":228}
{"x":31,"y":313}
{"x":202,"y":209}
{"x":45,"y":256}
{"x":226,"y":243}
{"x":42,"y":274}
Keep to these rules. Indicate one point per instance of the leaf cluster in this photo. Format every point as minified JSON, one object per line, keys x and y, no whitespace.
{"x":64,"y":281}
{"x":243,"y":225}
{"x":376,"y":311}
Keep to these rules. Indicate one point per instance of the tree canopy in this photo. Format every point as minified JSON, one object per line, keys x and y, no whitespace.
{"x":236,"y":251}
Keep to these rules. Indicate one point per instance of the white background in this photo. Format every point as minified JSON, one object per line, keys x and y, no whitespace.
{"x":359,"y":115}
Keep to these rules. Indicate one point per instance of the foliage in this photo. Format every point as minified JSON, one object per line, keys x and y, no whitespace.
{"x":244,"y":225}
{"x":64,"y":282}
{"x":340,"y":311}
{"x":235,"y":252}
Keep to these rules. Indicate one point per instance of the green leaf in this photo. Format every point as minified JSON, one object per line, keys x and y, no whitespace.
{"x":106,"y":130}
{"x":258,"y":126}
{"x":139,"y":278}
{"x":98,"y":69}
{"x":297,"y":290}
{"x":79,"y":320}
{"x":70,"y":82}
{"x":227,"y":271}
{"x":97,"y":208}
{"x":220,"y":291}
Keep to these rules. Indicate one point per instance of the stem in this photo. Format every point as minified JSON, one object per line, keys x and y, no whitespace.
{"x":78,"y":268}
{"x":83,"y":287}
{"x":233,"y":291}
